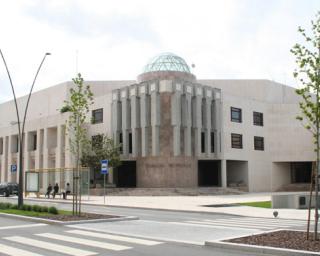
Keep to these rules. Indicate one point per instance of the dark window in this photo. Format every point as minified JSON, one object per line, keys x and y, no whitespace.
{"x":97,"y":116}
{"x":34,"y":146}
{"x":212,"y":142}
{"x":203,"y":142}
{"x":258,"y":143}
{"x":130,"y":143}
{"x":258,"y":118}
{"x":236,"y":140}
{"x":236,"y":115}
{"x":120,"y":142}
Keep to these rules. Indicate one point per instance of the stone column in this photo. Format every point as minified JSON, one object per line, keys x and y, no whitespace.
{"x":144,"y":119}
{"x":37,"y":163}
{"x":187,"y":120}
{"x":197,"y":120}
{"x":207,"y":124}
{"x":176,"y":119}
{"x":58,"y":163}
{"x":26,"y":164}
{"x":223,"y":173}
{"x":217,"y":123}
{"x":135,"y":121}
{"x":69,"y":161}
{"x":4,"y":166}
{"x":125,"y":122}
{"x":116,"y":116}
{"x":155,"y":118}
{"x":45,"y":152}
{"x":9,"y":158}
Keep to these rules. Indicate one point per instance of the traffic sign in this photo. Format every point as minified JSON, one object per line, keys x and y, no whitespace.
{"x":104,"y":166}
{"x":13,"y":168}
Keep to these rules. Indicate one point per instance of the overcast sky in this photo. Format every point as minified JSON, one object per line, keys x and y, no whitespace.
{"x":226,"y":39}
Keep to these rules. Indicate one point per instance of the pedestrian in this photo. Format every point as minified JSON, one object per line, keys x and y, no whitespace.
{"x":68,"y":191}
{"x":55,"y":190}
{"x":49,"y":189}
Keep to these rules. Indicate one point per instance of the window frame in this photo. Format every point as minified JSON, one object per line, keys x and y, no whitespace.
{"x":238,"y":110}
{"x":94,"y":119}
{"x":256,"y":143}
{"x":259,"y":116}
{"x":233,"y":144}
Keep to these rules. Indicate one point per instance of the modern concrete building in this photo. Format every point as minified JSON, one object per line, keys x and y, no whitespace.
{"x":175,"y":130}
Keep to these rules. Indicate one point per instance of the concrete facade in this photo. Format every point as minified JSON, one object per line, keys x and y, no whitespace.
{"x":176,"y":129}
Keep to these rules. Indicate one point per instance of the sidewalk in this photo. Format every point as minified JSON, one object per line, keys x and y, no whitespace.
{"x":194,"y":204}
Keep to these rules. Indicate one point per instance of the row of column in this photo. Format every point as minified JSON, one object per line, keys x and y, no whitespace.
{"x":194,"y":109}
{"x":41,"y":155}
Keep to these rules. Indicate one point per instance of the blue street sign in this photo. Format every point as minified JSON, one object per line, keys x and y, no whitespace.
{"x":104,"y":166}
{"x":13,"y":168}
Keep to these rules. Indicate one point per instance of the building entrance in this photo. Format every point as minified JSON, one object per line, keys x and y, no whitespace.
{"x":126,"y":175}
{"x":209,"y":173}
{"x":301,"y":172}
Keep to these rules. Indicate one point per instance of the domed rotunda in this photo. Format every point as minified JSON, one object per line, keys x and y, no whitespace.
{"x":166,"y":66}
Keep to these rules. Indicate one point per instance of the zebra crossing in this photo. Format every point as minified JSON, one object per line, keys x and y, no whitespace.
{"x":67,"y":243}
{"x":254,"y":223}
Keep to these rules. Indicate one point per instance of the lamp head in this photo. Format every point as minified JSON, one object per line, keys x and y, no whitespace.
{"x":48,"y":53}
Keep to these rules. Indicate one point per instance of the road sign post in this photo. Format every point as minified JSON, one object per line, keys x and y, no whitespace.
{"x":104,"y":171}
{"x":13,"y":168}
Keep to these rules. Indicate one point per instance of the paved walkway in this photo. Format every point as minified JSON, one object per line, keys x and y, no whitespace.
{"x":196,"y":204}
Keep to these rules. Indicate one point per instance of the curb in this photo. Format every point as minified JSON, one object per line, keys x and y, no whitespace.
{"x":57,"y":222}
{"x":257,"y":248}
{"x":130,"y":207}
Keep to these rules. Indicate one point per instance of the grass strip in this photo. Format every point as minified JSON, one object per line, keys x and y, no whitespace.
{"x":263,"y":204}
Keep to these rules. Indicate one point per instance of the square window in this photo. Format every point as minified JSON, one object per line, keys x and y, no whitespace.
{"x":258,"y":143}
{"x":236,"y":140}
{"x":236,"y":115}
{"x":258,"y":118}
{"x":97,"y":116}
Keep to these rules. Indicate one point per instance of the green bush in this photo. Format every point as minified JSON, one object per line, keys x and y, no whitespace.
{"x":53,"y":210}
{"x":28,"y":207}
{"x":4,"y":206}
{"x":14,"y":206}
{"x":24,"y":207}
{"x":44,"y":209}
{"x":36,"y":208}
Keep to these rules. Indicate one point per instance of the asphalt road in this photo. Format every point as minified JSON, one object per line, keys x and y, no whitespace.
{"x":180,"y":233}
{"x":29,"y":238}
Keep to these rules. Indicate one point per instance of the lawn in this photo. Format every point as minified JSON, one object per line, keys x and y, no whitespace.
{"x":32,"y":213}
{"x":263,"y":204}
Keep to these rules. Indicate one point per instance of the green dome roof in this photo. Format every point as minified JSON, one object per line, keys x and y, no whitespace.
{"x":166,"y":62}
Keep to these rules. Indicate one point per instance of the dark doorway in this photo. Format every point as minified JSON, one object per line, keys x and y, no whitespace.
{"x":301,"y":172}
{"x":125,"y":175}
{"x":209,"y":173}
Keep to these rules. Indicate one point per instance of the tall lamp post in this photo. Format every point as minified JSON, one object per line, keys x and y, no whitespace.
{"x":21,"y":129}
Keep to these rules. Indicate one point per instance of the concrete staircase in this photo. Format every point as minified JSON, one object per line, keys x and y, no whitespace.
{"x":166,"y":191}
{"x":295,"y":187}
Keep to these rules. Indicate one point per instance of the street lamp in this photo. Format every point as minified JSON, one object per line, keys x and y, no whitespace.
{"x":21,"y":130}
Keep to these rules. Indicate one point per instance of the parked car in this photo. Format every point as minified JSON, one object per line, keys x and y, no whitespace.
{"x":8,"y":188}
{"x":14,"y":188}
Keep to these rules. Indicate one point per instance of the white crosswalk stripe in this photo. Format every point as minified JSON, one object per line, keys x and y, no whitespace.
{"x":49,"y":246}
{"x":248,"y":223}
{"x":73,"y":238}
{"x":87,"y":242}
{"x":114,"y":237}
{"x":8,"y":250}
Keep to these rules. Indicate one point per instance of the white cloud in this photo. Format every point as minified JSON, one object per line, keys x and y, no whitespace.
{"x":225,"y":39}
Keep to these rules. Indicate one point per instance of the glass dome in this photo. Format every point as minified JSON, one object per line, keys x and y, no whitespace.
{"x":166,"y":62}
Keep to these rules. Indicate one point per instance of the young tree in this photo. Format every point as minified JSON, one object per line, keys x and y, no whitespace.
{"x":308,"y":73}
{"x":78,"y":106}
{"x":102,"y":147}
